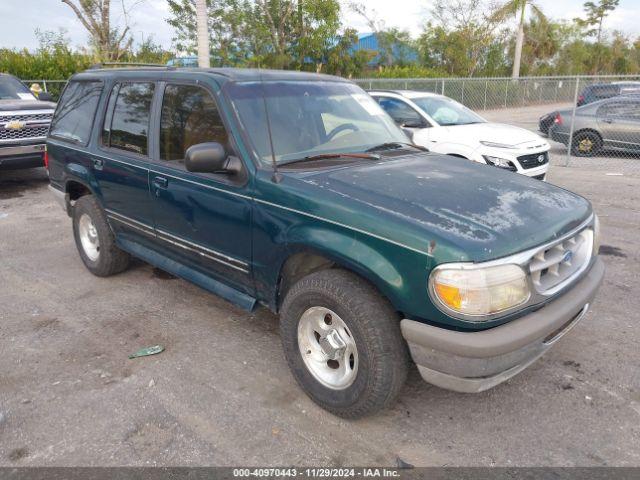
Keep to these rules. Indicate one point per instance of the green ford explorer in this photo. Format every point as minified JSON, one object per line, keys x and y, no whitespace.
{"x":297,"y":192}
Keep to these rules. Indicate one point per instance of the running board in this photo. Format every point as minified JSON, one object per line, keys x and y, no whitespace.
{"x":230,"y":294}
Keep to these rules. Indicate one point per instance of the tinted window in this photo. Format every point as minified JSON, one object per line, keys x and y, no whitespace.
{"x":106,"y":126}
{"x":75,"y":112}
{"x":130,"y":122}
{"x":399,"y":111}
{"x":189,"y":116}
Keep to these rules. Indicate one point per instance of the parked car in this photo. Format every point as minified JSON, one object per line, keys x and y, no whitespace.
{"x":297,"y":192}
{"x":24,"y":121}
{"x":545,"y":122}
{"x":612,"y":124}
{"x":601,"y":91}
{"x":445,"y":126}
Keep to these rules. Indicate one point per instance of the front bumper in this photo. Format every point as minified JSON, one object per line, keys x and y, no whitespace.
{"x":21,"y":156}
{"x":476,"y":361}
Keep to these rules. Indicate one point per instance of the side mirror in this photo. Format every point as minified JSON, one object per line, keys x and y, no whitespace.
{"x":45,"y":97}
{"x":414,"y":124}
{"x":208,"y":157}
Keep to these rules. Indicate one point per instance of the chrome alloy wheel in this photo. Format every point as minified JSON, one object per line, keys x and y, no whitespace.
{"x":327,"y":347}
{"x":585,"y":145}
{"x":89,"y":237}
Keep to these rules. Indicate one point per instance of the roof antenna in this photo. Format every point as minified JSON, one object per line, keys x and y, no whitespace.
{"x":276,"y":177}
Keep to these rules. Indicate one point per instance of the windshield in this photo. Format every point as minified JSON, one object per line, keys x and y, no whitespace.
{"x":310,"y":118}
{"x":447,"y":112}
{"x":12,"y":89}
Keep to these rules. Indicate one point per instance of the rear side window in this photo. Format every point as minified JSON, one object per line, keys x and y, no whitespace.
{"x":127,"y":125}
{"x":622,"y":110}
{"x":189,"y":116}
{"x":75,"y":112}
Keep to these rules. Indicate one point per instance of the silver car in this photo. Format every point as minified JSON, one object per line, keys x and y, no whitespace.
{"x":611,"y":124}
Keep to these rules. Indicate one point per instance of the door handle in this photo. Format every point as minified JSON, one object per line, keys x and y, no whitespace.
{"x":98,"y":163}
{"x":160,"y":182}
{"x":608,"y":120}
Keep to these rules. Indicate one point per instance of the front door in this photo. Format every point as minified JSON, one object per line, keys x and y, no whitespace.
{"x":203,"y":220}
{"x":619,"y":123}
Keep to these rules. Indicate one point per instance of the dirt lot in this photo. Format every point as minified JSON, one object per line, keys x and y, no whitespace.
{"x":221,"y":393}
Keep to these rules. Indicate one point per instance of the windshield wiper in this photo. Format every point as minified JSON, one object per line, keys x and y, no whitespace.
{"x":395,"y":145}
{"x":324,"y":156}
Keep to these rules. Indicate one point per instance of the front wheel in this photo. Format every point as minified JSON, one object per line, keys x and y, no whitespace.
{"x":343,"y":343}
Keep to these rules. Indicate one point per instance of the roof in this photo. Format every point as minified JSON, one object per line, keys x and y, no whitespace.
{"x":231,"y":74}
{"x":407,"y":93}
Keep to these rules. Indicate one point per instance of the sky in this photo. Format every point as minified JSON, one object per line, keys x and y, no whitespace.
{"x":20,"y":18}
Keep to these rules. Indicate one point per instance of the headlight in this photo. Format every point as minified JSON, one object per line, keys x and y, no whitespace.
{"x":496,"y":145}
{"x":500,"y":163}
{"x":479,"y":291}
{"x":596,"y":235}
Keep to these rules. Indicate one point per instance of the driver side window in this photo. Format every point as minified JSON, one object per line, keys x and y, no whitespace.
{"x":401,"y":113}
{"x":189,"y":117}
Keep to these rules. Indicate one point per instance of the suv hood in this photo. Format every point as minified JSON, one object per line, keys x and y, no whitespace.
{"x":478,"y":212}
{"x":15,"y":105}
{"x":494,"y":132}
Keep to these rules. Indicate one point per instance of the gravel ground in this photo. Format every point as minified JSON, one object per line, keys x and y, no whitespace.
{"x":221,"y":393}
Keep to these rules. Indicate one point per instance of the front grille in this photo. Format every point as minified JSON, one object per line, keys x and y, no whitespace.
{"x":556,"y":266}
{"x":25,"y":117}
{"x":533,"y":160}
{"x":24,"y":133}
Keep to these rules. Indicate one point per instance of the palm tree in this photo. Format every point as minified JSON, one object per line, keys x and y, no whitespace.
{"x":518,"y":8}
{"x":203,"y":33}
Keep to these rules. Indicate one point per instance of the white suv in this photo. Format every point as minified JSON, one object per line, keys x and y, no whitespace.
{"x":445,"y":126}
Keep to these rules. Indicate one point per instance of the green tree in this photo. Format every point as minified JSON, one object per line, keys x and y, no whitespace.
{"x":596,"y":13}
{"x":518,"y":8}
{"x":318,"y":24}
{"x":109,"y":42}
{"x":273,"y":33}
{"x":343,"y":60}
{"x":461,"y":38}
{"x":542,"y":41}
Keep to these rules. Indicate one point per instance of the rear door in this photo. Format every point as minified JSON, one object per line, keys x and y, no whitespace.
{"x":71,"y":129}
{"x":619,"y":123}
{"x":201,"y":219}
{"x":121,"y":163}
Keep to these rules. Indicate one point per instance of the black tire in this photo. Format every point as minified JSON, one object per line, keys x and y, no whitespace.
{"x":586,"y":144}
{"x":110,"y":259}
{"x":383,"y":358}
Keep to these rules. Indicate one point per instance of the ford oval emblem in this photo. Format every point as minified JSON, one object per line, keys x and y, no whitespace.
{"x":568,"y":255}
{"x":540,"y":158}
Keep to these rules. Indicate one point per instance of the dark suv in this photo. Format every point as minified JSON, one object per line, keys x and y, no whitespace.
{"x":600,"y":91}
{"x":297,"y":192}
{"x":24,"y":121}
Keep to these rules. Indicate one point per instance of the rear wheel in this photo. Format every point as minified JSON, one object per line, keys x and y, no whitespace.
{"x":586,"y":144}
{"x":94,"y":239}
{"x":343,"y":343}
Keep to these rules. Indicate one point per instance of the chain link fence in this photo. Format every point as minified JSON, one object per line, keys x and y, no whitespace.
{"x":590,"y":121}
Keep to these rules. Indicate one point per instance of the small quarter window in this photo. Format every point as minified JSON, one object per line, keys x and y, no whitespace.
{"x":129,"y":128}
{"x":77,"y":107}
{"x":189,"y":117}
